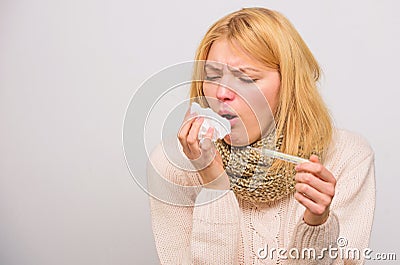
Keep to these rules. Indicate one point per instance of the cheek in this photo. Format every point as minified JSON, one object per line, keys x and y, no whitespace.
{"x":271,"y":93}
{"x":272,"y":101}
{"x":209,"y":90}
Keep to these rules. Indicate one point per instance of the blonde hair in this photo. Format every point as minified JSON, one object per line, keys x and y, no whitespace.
{"x":301,"y":116}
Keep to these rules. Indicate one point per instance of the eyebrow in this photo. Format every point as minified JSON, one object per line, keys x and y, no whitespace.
{"x":240,"y":70}
{"x":243,"y":70}
{"x":213,"y":68}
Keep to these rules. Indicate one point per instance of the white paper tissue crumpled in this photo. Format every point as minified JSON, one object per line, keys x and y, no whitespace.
{"x":222,"y":126}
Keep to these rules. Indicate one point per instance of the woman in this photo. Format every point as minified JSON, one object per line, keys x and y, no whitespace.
{"x":307,"y":206}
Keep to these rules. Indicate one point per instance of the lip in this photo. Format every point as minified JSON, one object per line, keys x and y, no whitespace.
{"x":231,"y":121}
{"x":224,"y":112}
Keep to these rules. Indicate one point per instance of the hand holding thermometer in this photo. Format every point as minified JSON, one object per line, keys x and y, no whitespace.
{"x":279,"y":155}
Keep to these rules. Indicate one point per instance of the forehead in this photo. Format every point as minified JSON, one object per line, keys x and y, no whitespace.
{"x":223,"y":52}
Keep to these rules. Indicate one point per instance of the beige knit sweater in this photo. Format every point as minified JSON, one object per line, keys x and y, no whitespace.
{"x":228,"y":230}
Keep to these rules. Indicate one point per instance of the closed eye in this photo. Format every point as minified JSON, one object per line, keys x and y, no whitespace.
{"x":212,"y":78}
{"x":247,"y":80}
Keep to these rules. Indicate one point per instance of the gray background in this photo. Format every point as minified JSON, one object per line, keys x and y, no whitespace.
{"x":68,"y":70}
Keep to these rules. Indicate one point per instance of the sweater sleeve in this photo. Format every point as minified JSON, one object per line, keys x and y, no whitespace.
{"x":191,"y":224}
{"x":349,"y":224}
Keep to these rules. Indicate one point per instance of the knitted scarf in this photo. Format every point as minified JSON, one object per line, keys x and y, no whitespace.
{"x":249,"y":173}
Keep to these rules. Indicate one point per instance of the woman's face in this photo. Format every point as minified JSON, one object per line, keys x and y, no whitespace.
{"x":242,"y":90}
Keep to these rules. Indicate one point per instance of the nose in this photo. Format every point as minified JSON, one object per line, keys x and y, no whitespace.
{"x":224,"y":93}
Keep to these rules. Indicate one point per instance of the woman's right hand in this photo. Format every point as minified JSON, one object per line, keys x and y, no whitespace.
{"x":202,"y":154}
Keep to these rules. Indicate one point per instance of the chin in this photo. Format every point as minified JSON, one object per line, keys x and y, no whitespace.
{"x":235,"y":139}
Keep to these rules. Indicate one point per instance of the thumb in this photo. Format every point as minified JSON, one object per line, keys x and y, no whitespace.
{"x":314,"y":158}
{"x":206,"y":142}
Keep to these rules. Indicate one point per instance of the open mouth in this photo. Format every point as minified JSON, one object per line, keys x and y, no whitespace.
{"x":228,"y":116}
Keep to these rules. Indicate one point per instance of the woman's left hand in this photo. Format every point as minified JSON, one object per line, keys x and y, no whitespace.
{"x":315,"y":189}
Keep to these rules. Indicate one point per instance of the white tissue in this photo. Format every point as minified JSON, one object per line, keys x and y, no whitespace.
{"x":222,"y":126}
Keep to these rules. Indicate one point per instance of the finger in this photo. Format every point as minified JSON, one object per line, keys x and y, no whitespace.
{"x":313,"y":194}
{"x":315,"y":182}
{"x":192,"y":138}
{"x":210,"y":132}
{"x":314,"y":158}
{"x":207,"y":151}
{"x":317,"y":169}
{"x":184,"y":130}
{"x":207,"y":147}
{"x":206,"y":142}
{"x":309,"y":204}
{"x":185,"y":127}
